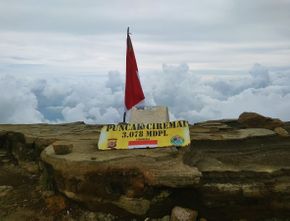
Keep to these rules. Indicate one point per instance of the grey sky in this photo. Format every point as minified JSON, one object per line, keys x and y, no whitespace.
{"x":90,"y":35}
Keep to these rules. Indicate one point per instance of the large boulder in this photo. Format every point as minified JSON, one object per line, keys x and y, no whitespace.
{"x":281,"y":132}
{"x":183,"y":214}
{"x":131,"y":181}
{"x":254,"y":120}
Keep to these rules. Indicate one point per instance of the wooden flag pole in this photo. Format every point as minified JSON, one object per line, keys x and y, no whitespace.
{"x":133,"y":89}
{"x":124,"y":117}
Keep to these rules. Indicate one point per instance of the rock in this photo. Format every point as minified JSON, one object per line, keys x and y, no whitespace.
{"x":254,"y":120}
{"x":228,"y":188}
{"x":25,"y":214}
{"x":281,"y":131}
{"x":3,"y":153}
{"x":6,"y":161}
{"x":97,"y":216}
{"x":121,"y":178}
{"x":214,"y":125}
{"x":88,"y":216}
{"x":55,"y":204}
{"x":208,"y":163}
{"x":4,"y":190}
{"x":105,"y":217}
{"x":61,"y":148}
{"x":254,"y":190}
{"x":133,"y":205}
{"x":164,"y":218}
{"x":67,"y":217}
{"x":47,"y":193}
{"x":30,"y":167}
{"x":183,"y":214}
{"x":254,"y":132}
{"x":232,"y":135}
{"x":282,"y":188}
{"x":228,"y":172}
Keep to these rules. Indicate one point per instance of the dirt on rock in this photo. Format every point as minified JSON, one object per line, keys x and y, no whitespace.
{"x":27,"y":200}
{"x":24,"y":201}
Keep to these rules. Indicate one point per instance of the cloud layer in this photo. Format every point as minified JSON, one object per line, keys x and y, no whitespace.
{"x":188,"y":94}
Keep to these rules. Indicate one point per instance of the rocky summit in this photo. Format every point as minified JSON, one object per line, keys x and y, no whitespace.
{"x":233,"y":170}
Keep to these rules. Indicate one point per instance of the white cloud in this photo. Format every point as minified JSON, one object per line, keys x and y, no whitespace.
{"x":17,"y":102}
{"x":198,"y":98}
{"x":188,"y":95}
{"x":260,"y":76}
{"x":115,"y":82}
{"x":76,"y":113}
{"x":269,"y":101}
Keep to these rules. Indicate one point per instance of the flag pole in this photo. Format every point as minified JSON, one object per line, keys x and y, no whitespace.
{"x":133,"y":89}
{"x":124,"y":117}
{"x":125,"y":113}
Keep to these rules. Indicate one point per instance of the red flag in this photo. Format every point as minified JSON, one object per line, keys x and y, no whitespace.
{"x":133,"y":90}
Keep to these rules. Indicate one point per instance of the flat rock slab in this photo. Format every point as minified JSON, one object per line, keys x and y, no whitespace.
{"x":219,"y":133}
{"x":123,"y":178}
{"x":162,"y":167}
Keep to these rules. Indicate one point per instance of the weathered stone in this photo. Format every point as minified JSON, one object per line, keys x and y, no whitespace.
{"x":214,"y":126}
{"x":47,"y":193}
{"x":230,"y":189}
{"x":281,"y":131}
{"x":97,"y":216}
{"x":61,"y":148}
{"x":6,"y":161}
{"x":3,"y":153}
{"x":210,"y":164}
{"x":227,"y":171}
{"x":135,"y":206}
{"x":183,"y":214}
{"x":149,"y":115}
{"x":231,"y":135}
{"x":119,"y":177}
{"x":164,"y":218}
{"x":283,"y":188}
{"x":67,"y":217}
{"x":30,"y":167}
{"x":254,"y":120}
{"x":254,"y":190}
{"x":26,"y":214}
{"x":55,"y":204}
{"x":4,"y":190}
{"x":88,"y":216}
